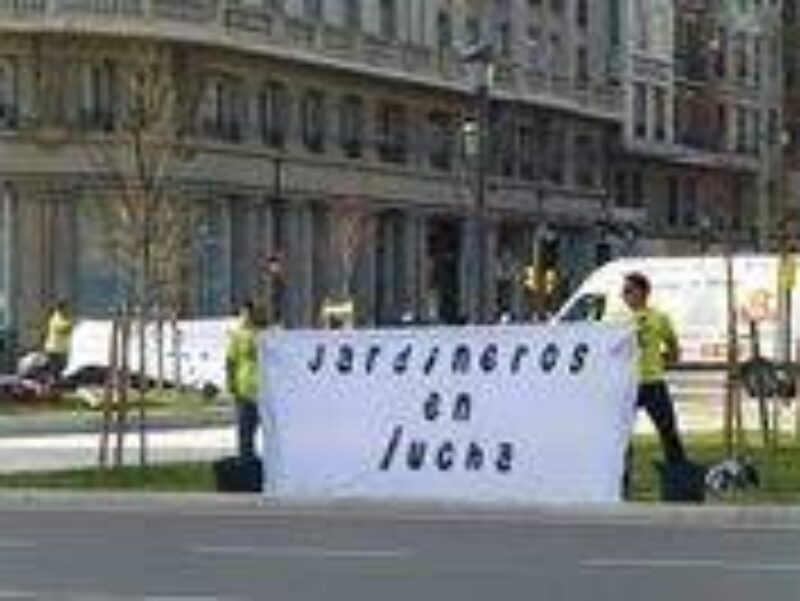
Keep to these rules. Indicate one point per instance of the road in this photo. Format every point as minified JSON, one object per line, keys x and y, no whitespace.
{"x":203,"y":548}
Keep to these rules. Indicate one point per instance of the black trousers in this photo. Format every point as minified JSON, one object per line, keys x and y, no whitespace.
{"x":247,"y":419}
{"x":654,"y":398}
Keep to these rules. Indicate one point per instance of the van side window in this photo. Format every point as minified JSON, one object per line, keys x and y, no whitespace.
{"x":589,"y":307}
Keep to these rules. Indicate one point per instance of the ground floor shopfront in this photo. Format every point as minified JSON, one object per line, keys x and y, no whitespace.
{"x":292,"y":254}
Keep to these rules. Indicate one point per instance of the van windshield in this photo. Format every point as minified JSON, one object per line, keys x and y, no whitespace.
{"x":589,"y":307}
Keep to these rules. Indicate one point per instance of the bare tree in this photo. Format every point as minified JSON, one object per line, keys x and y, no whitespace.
{"x":351,"y":230}
{"x":138,"y":155}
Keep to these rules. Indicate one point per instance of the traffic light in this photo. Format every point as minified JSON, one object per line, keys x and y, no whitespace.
{"x":550,"y":280}
{"x":529,"y":278}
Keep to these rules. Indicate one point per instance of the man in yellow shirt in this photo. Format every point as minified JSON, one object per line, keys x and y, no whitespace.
{"x":241,"y":370}
{"x":58,"y":338}
{"x":658,"y":346}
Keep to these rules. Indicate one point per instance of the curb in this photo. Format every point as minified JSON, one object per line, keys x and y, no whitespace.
{"x":18,"y":426}
{"x":739,"y":518}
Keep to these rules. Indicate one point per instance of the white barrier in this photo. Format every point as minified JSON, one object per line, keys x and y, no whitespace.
{"x":192,"y":352}
{"x":517,"y":413}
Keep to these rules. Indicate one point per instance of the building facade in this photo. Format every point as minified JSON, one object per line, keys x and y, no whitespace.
{"x":324,"y":153}
{"x":703,"y":122}
{"x":324,"y":149}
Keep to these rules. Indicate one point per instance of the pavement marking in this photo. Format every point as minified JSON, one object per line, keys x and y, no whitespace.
{"x":697,"y":564}
{"x":300,"y":552}
{"x":190,"y":598}
{"x":13,"y":544}
{"x":5,"y":594}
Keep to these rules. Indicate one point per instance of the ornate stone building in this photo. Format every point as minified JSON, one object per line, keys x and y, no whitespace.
{"x":304,"y":114}
{"x":323,"y":150}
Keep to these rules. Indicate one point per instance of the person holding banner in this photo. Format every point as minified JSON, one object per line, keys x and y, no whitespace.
{"x":241,"y":372}
{"x":658,"y":346}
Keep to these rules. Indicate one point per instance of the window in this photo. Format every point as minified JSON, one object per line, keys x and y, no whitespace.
{"x":312,"y":9}
{"x":660,"y":113}
{"x":673,"y":203}
{"x":504,"y":31}
{"x":388,"y":19}
{"x":741,"y":129}
{"x":100,"y":94}
{"x":581,"y":67}
{"x":444,"y":30}
{"x":502,"y":142}
{"x":582,"y":13}
{"x":621,"y":189}
{"x":739,"y":43}
{"x":585,"y":161}
{"x":472,"y":29}
{"x":312,"y":120}
{"x":557,"y":56}
{"x":641,"y":25}
{"x":690,"y":206}
{"x":637,"y":188}
{"x":640,"y":110}
{"x":614,"y":22}
{"x":392,"y":130}
{"x":527,"y":152}
{"x":224,"y":108}
{"x":556,"y":153}
{"x":758,"y":59}
{"x":351,"y":117}
{"x":441,"y":140}
{"x":8,"y":93}
{"x":273,"y":114}
{"x":352,"y":14}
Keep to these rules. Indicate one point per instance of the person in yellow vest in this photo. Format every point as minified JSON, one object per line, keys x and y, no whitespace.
{"x":241,"y":370}
{"x":58,"y":338}
{"x":658,"y":347}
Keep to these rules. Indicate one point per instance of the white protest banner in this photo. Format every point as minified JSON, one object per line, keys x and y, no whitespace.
{"x":192,"y":351}
{"x":496,"y":413}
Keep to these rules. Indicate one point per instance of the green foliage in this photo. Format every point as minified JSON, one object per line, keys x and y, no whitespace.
{"x":176,"y":477}
{"x":779,"y":469}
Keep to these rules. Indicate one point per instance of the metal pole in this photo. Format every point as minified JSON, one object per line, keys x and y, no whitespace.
{"x":480,"y":202}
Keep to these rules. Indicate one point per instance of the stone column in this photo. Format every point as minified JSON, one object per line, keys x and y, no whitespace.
{"x":386,"y":240}
{"x":365,"y":273}
{"x":299,"y":268}
{"x":468,"y":295}
{"x":411,"y":251}
{"x":490,"y":273}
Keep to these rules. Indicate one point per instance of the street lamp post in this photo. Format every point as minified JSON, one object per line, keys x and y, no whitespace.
{"x":479,"y":60}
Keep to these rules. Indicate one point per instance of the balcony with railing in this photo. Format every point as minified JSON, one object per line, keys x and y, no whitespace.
{"x":269,"y":29}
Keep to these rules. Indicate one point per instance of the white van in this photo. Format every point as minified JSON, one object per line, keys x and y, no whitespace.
{"x":692,"y":290}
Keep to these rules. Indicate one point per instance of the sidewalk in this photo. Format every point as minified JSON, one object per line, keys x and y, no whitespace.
{"x":697,"y":416}
{"x":51,"y":440}
{"x":35,"y":452}
{"x":59,"y":440}
{"x":40,"y":422}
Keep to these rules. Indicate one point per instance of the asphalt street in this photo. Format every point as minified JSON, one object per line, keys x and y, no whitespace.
{"x":203,"y":548}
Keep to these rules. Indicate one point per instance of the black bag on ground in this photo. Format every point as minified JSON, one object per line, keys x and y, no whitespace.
{"x":239,"y":474}
{"x":682,"y":481}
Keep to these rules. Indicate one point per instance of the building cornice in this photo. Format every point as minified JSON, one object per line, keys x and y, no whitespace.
{"x":318,"y":45}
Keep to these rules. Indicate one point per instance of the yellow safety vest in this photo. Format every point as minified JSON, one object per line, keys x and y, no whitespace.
{"x":242,"y":361}
{"x":653,"y":331}
{"x":59,"y":334}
